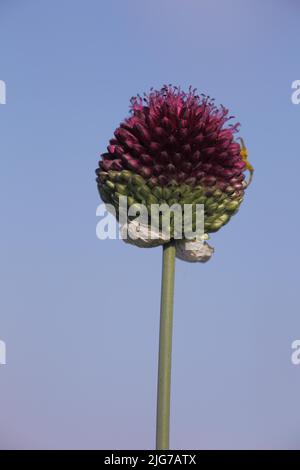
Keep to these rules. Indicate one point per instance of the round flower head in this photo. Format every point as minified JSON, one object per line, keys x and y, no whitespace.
{"x":176,"y":148}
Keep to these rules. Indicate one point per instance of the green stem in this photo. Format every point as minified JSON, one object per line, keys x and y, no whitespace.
{"x":165,"y":347}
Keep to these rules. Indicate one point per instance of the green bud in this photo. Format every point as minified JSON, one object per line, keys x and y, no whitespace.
{"x":157,"y":191}
{"x":172,"y":201}
{"x":176,"y":193}
{"x":232,"y":205}
{"x":217,"y":194}
{"x":110,"y":184}
{"x":216,"y":225}
{"x":145,"y":191}
{"x":224,"y":218}
{"x":184,"y":188}
{"x":138,"y":180}
{"x":113,"y":175}
{"x":115,"y":198}
{"x":122,"y":189}
{"x":130,"y":201}
{"x":221,"y":207}
{"x":200,"y":200}
{"x":212,"y":208}
{"x":151,"y":199}
{"x":105,"y":194}
{"x":223,"y":197}
{"x":126,"y":175}
{"x":198,"y":193}
{"x":167,"y":192}
{"x":135,"y":208}
{"x":188,"y":198}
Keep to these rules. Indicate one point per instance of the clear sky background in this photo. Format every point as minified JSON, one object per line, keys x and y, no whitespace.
{"x":80,"y":316}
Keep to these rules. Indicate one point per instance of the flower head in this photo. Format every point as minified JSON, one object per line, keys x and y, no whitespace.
{"x":176,"y":147}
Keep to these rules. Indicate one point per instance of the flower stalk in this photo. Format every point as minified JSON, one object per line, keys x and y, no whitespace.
{"x":179,"y":148}
{"x":165,"y":348}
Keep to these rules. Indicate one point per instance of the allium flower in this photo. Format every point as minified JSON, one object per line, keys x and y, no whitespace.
{"x":176,"y":147}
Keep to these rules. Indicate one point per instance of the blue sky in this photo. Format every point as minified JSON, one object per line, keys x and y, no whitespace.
{"x":80,"y":316}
